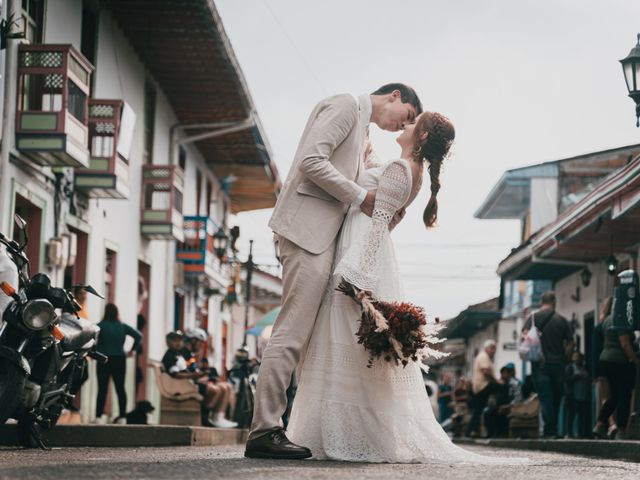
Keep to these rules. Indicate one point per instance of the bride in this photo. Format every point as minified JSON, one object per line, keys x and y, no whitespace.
{"x":344,"y":410}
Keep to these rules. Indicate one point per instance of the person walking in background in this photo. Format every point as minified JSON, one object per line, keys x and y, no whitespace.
{"x":576,"y":396}
{"x":619,"y":362}
{"x":600,"y":380}
{"x":484,"y":383}
{"x":445,"y":397}
{"x":113,"y":334}
{"x":548,"y":374}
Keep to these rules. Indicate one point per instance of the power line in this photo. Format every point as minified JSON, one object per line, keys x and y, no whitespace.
{"x":447,"y":266}
{"x":295,"y":47}
{"x":428,"y":246}
{"x":452,"y":276}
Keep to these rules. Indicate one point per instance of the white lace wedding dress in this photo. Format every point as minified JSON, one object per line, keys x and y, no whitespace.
{"x":344,"y":410}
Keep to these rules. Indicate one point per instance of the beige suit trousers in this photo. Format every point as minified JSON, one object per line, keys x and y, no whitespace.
{"x":305,"y":278}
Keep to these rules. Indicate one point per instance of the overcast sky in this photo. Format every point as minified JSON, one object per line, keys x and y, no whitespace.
{"x":523,"y":81}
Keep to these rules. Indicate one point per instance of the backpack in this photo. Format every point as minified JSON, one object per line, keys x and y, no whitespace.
{"x":530,"y":348}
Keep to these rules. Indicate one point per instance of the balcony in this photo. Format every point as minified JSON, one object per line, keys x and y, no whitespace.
{"x":51,"y":114}
{"x":161,"y":215}
{"x":196,"y":252}
{"x":111,"y":124}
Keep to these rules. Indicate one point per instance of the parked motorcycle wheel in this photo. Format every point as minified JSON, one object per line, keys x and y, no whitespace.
{"x":12,"y":381}
{"x":30,"y":433}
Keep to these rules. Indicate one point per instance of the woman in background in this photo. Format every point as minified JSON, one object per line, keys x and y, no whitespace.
{"x":113,"y":334}
{"x":601,"y":383}
{"x":618,"y":361}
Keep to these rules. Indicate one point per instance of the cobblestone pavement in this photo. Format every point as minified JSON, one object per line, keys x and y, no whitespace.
{"x":183,"y":463}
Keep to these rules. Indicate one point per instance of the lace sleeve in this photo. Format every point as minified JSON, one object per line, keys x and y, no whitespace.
{"x":360,"y":264}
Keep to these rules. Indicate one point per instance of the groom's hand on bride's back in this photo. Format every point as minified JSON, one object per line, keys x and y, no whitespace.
{"x":369,"y":203}
{"x":397,"y":218}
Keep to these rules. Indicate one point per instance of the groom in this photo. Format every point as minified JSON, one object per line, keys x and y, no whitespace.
{"x":319,"y":189}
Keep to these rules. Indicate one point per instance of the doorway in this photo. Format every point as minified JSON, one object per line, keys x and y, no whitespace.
{"x":144,"y":279}
{"x":32,"y":214}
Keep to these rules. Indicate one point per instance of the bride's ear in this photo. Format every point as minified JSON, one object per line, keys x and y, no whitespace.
{"x":423,"y":137}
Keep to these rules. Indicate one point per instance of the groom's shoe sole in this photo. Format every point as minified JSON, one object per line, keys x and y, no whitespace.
{"x":278,"y":456}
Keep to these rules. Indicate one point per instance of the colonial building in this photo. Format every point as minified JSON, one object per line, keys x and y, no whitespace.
{"x":128,"y":138}
{"x":571,"y":229}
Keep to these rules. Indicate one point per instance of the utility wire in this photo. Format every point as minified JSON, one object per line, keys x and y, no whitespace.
{"x":427,"y":246}
{"x":295,"y":47}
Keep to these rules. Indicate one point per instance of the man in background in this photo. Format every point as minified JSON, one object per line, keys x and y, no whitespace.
{"x":484,"y":383}
{"x":557,"y":344}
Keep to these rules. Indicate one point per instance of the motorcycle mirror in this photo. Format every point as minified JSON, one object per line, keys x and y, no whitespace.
{"x":20,"y":222}
{"x":89,"y":289}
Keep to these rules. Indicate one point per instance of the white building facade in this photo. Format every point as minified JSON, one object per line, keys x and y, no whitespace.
{"x":105,"y":227}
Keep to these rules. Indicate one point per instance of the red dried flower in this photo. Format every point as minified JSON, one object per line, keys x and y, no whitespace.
{"x":404,"y":328}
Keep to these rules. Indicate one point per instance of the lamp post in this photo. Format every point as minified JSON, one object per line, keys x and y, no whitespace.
{"x":220,"y":241}
{"x":612,"y":264}
{"x":247,"y":297}
{"x":631,"y":70}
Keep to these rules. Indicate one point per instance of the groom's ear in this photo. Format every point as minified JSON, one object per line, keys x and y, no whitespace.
{"x":396,"y":95}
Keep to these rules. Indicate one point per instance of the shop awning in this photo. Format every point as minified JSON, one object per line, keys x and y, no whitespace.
{"x":605,"y":221}
{"x":473,"y":319}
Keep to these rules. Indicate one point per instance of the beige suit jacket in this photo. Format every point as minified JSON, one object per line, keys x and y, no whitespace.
{"x":321,"y":183}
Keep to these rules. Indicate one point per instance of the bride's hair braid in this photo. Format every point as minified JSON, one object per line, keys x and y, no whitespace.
{"x":434,"y":150}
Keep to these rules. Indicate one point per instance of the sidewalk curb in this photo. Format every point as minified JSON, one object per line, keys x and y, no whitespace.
{"x":132,"y":436}
{"x":611,"y":449}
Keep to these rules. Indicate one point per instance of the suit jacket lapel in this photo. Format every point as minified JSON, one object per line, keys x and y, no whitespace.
{"x":363,"y":125}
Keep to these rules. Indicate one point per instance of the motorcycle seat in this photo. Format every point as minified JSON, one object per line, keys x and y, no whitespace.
{"x":77,"y":333}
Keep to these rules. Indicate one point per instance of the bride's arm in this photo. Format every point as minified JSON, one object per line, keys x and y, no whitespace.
{"x":394,"y":189}
{"x":360,"y":264}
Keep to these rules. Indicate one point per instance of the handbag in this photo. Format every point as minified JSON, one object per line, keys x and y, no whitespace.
{"x":530,"y":348}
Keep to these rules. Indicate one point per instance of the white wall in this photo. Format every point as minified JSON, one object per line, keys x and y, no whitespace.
{"x":543,"y":202}
{"x":507,"y":352}
{"x":63,"y":22}
{"x":120,"y":74}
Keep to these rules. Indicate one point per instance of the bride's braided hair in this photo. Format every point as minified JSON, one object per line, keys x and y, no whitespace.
{"x":434,"y":150}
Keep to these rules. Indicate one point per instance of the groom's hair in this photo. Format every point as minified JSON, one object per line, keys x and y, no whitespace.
{"x":407,"y":94}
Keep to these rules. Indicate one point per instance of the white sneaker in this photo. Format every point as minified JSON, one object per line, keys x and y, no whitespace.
{"x":101,"y":420}
{"x":220,"y":422}
{"x":120,"y":421}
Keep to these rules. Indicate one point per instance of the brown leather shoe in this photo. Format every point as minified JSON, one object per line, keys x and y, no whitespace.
{"x":276,"y":445}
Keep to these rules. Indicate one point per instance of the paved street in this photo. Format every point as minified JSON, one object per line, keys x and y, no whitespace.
{"x":227,"y":462}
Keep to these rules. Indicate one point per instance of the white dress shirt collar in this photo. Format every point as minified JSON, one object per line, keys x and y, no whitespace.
{"x":366,"y":109}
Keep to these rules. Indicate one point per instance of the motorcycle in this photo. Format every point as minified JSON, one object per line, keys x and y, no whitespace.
{"x":42,"y":353}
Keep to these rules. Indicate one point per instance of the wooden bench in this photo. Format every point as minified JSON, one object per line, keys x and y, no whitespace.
{"x":523,"y":418}
{"x":179,"y":399}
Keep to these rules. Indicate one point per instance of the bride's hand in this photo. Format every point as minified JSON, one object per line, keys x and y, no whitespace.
{"x":369,"y":203}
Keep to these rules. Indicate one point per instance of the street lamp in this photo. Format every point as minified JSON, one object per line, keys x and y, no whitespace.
{"x":220,"y":240}
{"x":612,"y":264}
{"x":631,"y":70}
{"x":249,"y":265}
{"x":235,"y":234}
